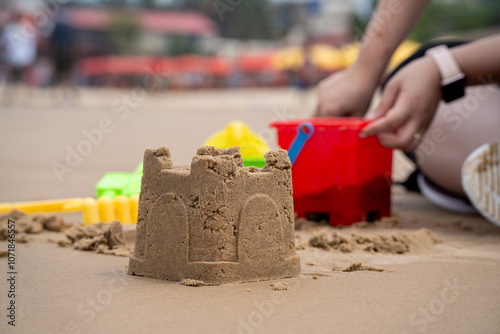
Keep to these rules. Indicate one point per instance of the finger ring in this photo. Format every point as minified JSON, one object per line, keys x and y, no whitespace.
{"x":418,"y":137}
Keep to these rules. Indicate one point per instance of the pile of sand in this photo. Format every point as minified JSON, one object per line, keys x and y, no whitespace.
{"x":384,"y":222}
{"x":29,"y":224}
{"x":392,"y":243}
{"x":280,"y":286}
{"x":192,"y":282}
{"x":358,"y":266}
{"x":303,"y":224}
{"x":101,"y":238}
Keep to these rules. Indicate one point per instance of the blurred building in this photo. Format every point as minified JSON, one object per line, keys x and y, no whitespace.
{"x":326,"y":21}
{"x":142,"y":31}
{"x":187,"y":43}
{"x":102,"y":28}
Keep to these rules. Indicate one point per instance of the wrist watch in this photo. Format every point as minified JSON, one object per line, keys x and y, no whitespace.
{"x":452,"y":78}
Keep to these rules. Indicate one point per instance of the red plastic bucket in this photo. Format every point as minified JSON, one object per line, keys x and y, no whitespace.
{"x":336,"y":174}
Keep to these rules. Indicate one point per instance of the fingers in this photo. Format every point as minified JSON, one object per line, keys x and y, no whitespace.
{"x":386,"y":103}
{"x":327,"y":108}
{"x":331,"y":110}
{"x":403,"y":139}
{"x":317,"y":112}
{"x":406,"y":109}
{"x":390,"y":122}
{"x":385,"y":118}
{"x":344,"y":93}
{"x":324,"y":111}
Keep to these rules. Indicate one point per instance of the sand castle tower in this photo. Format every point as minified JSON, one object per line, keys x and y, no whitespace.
{"x":216,"y":221}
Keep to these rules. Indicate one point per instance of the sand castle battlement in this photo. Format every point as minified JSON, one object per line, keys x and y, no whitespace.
{"x":215,"y":221}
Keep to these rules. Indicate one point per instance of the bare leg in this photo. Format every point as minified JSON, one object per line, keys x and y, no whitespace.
{"x":457,"y":129}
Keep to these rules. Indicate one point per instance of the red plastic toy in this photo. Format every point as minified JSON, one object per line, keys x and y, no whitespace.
{"x":337,"y":175}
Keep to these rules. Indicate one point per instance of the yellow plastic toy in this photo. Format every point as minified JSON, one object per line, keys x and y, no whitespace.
{"x":104,"y":209}
{"x":252,"y":146}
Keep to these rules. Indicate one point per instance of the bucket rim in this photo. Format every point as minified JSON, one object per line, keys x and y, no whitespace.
{"x":352,"y":123}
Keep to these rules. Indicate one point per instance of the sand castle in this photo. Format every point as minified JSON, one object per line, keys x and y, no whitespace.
{"x":216,"y":221}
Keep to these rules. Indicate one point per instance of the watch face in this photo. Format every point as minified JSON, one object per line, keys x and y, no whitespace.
{"x":454,"y":90}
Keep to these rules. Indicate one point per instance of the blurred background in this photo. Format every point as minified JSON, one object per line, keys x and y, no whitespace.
{"x":87,"y":85}
{"x":197,"y":44}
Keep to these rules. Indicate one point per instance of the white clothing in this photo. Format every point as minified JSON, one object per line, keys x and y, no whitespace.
{"x":20,"y":45}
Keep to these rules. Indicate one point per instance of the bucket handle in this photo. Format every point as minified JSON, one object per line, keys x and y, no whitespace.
{"x":304,"y":131}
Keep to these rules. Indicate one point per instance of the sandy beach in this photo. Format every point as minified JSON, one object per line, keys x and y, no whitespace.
{"x":444,"y":280}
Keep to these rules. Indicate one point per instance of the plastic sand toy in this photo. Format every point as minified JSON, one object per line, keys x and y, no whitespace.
{"x":252,"y":146}
{"x":335,"y":174}
{"x":120,"y":183}
{"x":104,"y":209}
{"x":117,"y":199}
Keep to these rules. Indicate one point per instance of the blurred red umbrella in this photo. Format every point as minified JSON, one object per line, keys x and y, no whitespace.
{"x":255,"y":63}
{"x":129,"y":65}
{"x":89,"y":18}
{"x":192,"y":63}
{"x":92,"y":66}
{"x":167,"y":66}
{"x":177,"y":22}
{"x":219,"y":66}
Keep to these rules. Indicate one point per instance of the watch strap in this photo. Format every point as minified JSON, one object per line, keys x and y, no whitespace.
{"x":446,"y":64}
{"x":452,"y":78}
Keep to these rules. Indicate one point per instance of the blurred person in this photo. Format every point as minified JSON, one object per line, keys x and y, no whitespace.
{"x":444,"y":139}
{"x":308,"y":74}
{"x":62,"y":45}
{"x":305,"y":75}
{"x":19,"y":51}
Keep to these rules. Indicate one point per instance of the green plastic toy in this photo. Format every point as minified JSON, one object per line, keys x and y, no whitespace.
{"x":120,"y":183}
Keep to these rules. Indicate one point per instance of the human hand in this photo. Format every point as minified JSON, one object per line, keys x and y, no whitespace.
{"x":345,"y":93}
{"x":408,"y":105}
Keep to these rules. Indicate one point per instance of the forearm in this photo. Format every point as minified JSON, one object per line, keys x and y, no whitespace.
{"x":389,"y":25}
{"x":479,"y":60}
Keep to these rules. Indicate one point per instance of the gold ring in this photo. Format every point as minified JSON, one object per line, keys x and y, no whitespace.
{"x":418,"y":137}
